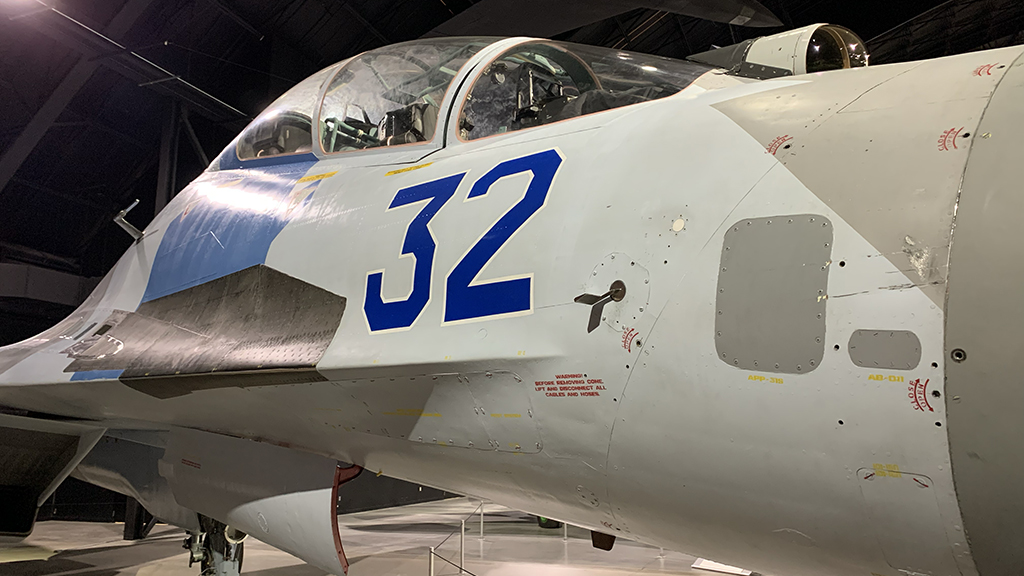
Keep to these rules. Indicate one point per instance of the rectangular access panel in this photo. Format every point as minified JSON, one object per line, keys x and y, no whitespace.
{"x":772,"y":287}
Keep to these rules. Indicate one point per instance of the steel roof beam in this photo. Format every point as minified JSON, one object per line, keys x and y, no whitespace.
{"x":59,"y":99}
{"x":10,"y":251}
{"x":191,"y":133}
{"x":96,"y":124}
{"x":78,"y":199}
{"x":130,"y":64}
{"x":236,"y":18}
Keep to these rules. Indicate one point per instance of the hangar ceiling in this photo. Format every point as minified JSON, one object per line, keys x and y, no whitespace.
{"x":105,"y":101}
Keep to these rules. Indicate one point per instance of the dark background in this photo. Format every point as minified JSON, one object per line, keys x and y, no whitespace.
{"x":85,"y":130}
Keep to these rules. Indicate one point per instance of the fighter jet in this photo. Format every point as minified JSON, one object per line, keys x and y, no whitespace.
{"x":761,"y":306}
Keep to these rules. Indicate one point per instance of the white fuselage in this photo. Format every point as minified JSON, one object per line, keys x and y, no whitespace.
{"x":639,"y":428}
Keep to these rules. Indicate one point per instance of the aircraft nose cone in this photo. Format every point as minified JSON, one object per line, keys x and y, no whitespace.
{"x":985,"y":336}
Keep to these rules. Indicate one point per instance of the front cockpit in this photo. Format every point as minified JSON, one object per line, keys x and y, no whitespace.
{"x":285,"y":127}
{"x":393,"y":95}
{"x":404,"y":94}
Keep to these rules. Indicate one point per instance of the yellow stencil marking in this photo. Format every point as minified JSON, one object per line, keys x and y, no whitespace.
{"x":771,"y":379}
{"x":315,"y":177}
{"x":890,"y":470}
{"x":409,"y":169}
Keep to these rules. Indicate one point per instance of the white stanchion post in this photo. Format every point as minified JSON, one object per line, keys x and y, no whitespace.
{"x":431,"y":563}
{"x":565,"y":532}
{"x":462,"y":547}
{"x":481,"y":519}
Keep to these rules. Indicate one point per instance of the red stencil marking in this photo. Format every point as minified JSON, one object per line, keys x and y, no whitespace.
{"x":628,"y":335}
{"x":947,"y":141}
{"x":778,"y":142}
{"x":919,"y":395}
{"x":984,"y":69}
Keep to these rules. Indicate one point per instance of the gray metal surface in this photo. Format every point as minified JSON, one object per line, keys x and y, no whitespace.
{"x":130,"y":468}
{"x":771,"y":299}
{"x":760,"y":71}
{"x":889,"y":349}
{"x":286,"y":498}
{"x":480,"y":410}
{"x":727,"y":57}
{"x":171,"y":386}
{"x":885,"y":493}
{"x":733,"y":58}
{"x":824,"y":126}
{"x":985,"y":316}
{"x":259,"y":321}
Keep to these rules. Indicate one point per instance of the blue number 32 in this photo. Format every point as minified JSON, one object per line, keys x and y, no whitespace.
{"x":464,"y":300}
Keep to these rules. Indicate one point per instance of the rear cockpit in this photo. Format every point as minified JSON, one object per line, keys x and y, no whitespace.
{"x":543,"y":82}
{"x":403,"y":94}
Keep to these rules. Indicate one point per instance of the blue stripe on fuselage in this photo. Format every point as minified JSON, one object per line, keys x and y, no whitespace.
{"x":96,"y":375}
{"x":227,"y":225}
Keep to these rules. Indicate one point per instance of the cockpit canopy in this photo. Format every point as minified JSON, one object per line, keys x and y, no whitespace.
{"x":543,"y":82}
{"x":393,"y":95}
{"x":284,"y":127}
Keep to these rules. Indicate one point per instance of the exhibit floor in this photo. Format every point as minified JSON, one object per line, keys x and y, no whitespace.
{"x":393,"y":542}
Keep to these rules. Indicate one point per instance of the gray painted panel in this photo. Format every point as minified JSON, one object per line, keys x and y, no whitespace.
{"x":887,"y":494}
{"x":890,"y":349}
{"x":131,"y":469}
{"x":772,"y":282}
{"x":479,"y":410}
{"x":903,"y":208}
{"x":985,"y":318}
{"x":259,"y":324}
